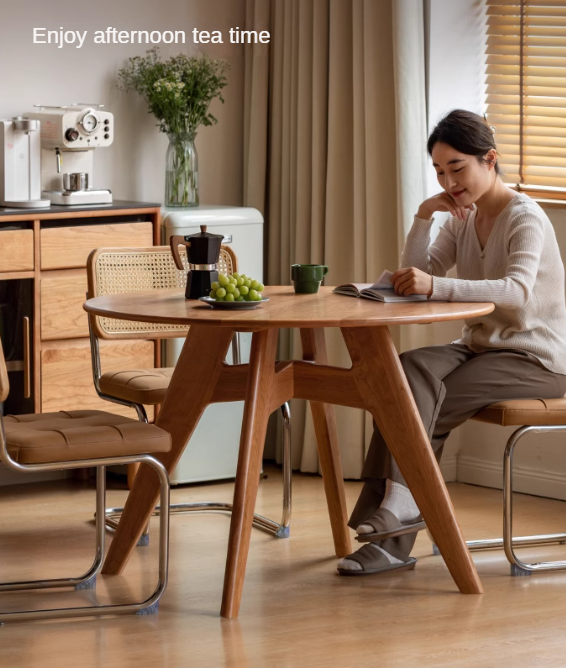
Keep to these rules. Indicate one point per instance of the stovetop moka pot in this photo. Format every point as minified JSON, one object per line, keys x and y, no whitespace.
{"x":203,"y":251}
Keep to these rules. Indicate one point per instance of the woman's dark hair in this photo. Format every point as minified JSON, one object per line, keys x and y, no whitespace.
{"x":465,"y":132}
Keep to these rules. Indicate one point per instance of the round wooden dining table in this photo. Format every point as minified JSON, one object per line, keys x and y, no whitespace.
{"x":375,"y":382}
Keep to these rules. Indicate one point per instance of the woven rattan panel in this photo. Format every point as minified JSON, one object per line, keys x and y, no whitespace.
{"x":126,"y":271}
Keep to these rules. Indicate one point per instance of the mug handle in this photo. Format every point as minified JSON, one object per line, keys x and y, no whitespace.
{"x":175,"y":242}
{"x":325,"y":269}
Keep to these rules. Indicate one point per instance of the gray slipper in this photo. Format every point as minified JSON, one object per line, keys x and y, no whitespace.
{"x":386,"y":525}
{"x":374,"y":562}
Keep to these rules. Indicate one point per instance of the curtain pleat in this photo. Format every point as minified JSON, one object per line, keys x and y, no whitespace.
{"x":331,"y":161}
{"x":256,"y":110}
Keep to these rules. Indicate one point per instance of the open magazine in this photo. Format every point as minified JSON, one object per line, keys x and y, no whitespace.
{"x":381,"y":290}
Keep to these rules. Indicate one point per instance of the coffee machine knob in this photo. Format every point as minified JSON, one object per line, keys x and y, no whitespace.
{"x":71,"y":134}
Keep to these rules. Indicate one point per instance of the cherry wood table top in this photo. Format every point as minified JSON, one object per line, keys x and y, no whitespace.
{"x":285,"y":309}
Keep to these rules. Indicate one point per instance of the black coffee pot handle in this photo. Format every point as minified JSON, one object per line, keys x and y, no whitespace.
{"x":175,"y":242}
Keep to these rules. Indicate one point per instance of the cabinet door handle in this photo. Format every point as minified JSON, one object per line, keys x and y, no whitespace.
{"x":27,"y":361}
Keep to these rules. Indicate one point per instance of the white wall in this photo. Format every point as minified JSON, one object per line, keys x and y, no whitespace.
{"x":474,"y":452}
{"x":133,"y":167}
{"x":455,"y":80}
{"x":456,"y":60}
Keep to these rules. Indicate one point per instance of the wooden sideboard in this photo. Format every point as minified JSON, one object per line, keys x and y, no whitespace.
{"x":43,"y":285}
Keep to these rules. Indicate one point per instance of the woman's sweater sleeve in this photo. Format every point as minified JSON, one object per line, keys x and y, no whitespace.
{"x":526,"y":239}
{"x":437,"y":258}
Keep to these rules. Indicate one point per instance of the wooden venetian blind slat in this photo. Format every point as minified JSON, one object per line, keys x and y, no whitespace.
{"x":536,"y":24}
{"x":534,"y":75}
{"x":531,"y":4}
{"x":510,"y":9}
{"x":547,"y":85}
{"x":526,"y":88}
{"x":501,"y":59}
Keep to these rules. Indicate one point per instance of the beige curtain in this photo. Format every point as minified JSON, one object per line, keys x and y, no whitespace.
{"x":322,"y":153}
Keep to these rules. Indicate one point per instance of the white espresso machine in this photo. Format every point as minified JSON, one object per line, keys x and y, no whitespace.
{"x":69,"y":135}
{"x":20,"y":164}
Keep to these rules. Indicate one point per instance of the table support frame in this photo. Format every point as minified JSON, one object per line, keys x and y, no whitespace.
{"x":376,"y":382}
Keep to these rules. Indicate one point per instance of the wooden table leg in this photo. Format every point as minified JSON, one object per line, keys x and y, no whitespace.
{"x":254,"y":426}
{"x":189,"y":393}
{"x":324,"y":419}
{"x":383,"y":386}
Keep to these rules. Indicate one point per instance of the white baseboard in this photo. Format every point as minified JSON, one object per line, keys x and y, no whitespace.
{"x":10,"y":477}
{"x":525,"y":479}
{"x":449,"y":468}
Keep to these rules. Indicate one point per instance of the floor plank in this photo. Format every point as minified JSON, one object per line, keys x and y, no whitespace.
{"x":296,"y":611}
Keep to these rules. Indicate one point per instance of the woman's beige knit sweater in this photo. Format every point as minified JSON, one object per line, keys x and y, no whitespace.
{"x":520,"y":270}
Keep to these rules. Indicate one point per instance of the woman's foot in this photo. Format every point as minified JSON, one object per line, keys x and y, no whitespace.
{"x":399,"y":501}
{"x":351,"y":565}
{"x":385,"y":525}
{"x":372,"y":559}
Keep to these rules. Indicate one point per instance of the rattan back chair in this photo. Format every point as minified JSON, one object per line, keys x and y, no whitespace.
{"x":117,"y":270}
{"x":120,"y":270}
{"x":74,"y":440}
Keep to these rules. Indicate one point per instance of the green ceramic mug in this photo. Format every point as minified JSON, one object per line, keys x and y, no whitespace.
{"x":307,"y":277}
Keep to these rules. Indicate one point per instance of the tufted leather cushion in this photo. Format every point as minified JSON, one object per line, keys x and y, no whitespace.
{"x":142,"y":386}
{"x":72,"y":435}
{"x":520,"y":412}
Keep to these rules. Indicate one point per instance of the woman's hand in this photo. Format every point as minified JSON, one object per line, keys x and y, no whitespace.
{"x":412,"y":281}
{"x":442,"y":202}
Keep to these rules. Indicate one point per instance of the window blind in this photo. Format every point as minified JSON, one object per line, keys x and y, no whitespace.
{"x":526,"y":89}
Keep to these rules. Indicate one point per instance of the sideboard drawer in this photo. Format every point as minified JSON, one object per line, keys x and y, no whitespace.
{"x":62,"y":299}
{"x":66,"y":374}
{"x":16,"y":250}
{"x":68,"y":247}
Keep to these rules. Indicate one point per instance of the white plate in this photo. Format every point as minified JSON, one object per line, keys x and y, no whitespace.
{"x":232,"y":305}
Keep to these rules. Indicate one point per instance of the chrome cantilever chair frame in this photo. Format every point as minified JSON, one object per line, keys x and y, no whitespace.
{"x":88,"y":579}
{"x":278,"y":529}
{"x":508,"y":542}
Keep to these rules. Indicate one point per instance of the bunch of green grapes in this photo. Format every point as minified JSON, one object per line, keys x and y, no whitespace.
{"x":236,"y":288}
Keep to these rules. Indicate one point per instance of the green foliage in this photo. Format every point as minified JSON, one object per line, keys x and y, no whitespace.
{"x":178,"y":91}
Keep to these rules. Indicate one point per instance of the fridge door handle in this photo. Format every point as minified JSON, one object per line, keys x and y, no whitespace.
{"x":27,"y":360}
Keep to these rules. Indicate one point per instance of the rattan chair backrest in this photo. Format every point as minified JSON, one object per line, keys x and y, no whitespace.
{"x":118,"y":270}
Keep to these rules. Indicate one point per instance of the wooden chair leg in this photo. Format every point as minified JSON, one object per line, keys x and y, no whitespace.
{"x":254,"y":426}
{"x":196,"y":375}
{"x":132,"y":472}
{"x":384,"y":389}
{"x":324,"y":419}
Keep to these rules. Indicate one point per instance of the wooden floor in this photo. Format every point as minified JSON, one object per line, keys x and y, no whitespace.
{"x":296,"y":610}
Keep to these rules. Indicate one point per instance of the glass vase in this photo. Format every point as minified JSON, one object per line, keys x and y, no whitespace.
{"x":181,"y":175}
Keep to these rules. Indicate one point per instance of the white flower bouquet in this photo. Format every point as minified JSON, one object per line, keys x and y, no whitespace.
{"x":178,"y":92}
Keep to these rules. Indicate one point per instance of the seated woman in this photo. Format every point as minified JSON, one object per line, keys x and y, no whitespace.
{"x":505,"y":251}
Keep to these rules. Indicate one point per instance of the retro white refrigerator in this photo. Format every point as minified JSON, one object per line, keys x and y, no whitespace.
{"x":212,"y":453}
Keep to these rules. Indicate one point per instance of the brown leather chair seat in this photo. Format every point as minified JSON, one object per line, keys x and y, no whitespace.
{"x":141,"y":386}
{"x":519,"y":412}
{"x":72,"y":435}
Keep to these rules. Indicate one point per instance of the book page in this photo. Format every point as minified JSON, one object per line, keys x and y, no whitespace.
{"x":388,"y":295}
{"x":352,"y":288}
{"x":383,"y":282}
